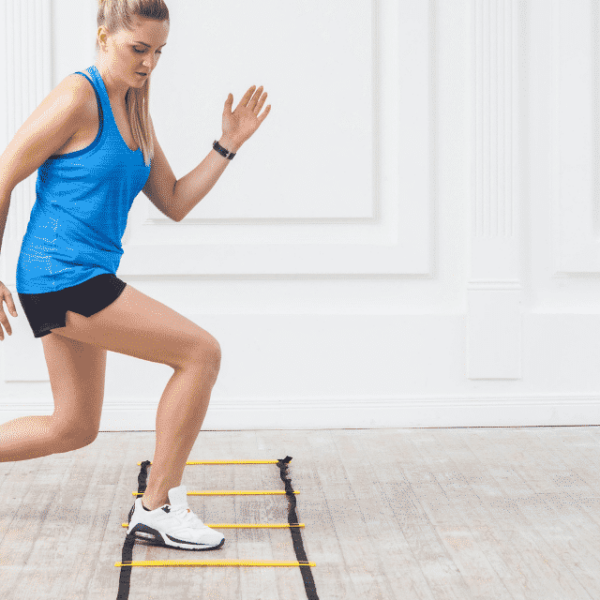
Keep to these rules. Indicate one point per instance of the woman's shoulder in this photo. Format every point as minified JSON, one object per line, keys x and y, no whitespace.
{"x":48,"y":128}
{"x":78,"y":86}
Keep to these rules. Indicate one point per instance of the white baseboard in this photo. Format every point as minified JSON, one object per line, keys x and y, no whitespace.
{"x":135,"y":414}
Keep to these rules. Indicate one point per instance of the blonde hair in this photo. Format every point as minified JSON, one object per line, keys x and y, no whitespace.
{"x":116,"y":15}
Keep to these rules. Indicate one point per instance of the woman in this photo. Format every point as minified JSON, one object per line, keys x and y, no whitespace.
{"x":95,"y":146}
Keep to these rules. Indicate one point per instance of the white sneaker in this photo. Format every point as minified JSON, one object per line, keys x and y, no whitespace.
{"x":173,"y":525}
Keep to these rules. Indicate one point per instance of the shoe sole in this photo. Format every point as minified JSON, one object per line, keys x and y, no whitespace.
{"x":141,"y":531}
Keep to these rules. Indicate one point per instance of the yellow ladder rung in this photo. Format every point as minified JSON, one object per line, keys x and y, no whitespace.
{"x":228,"y":462}
{"x":244,"y":525}
{"x":212,"y":563}
{"x":227,"y":492}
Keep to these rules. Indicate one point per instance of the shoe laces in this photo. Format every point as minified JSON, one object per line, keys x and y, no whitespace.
{"x":187,"y":516}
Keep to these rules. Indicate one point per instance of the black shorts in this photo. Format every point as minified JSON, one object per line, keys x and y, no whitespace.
{"x":48,"y":310}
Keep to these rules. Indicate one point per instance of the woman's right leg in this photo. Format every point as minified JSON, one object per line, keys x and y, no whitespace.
{"x":77,"y":379}
{"x":30,"y":437}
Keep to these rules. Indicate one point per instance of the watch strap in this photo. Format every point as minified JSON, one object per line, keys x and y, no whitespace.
{"x":222,"y":151}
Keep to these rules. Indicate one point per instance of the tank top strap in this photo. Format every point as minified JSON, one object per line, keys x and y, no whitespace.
{"x":98,"y":89}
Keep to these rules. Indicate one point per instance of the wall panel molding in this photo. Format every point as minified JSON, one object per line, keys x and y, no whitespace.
{"x":388,"y":233}
{"x":25,"y":80}
{"x":494,"y":288}
{"x":575,"y":128}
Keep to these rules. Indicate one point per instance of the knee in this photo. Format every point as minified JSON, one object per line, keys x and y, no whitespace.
{"x":207,"y":351}
{"x":67,"y":444}
{"x":68,"y":438}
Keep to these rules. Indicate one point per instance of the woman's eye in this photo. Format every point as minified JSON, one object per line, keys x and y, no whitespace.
{"x":142,"y":51}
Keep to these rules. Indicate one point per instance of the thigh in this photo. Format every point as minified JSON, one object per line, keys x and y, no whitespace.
{"x":77,"y":374}
{"x":137,"y":325}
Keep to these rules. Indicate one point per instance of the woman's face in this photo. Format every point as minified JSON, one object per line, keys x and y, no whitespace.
{"x":137,"y":51}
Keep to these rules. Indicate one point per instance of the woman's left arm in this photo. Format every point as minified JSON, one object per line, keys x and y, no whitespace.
{"x":238,"y":127}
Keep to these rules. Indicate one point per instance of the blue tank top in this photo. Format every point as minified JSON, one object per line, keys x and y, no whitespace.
{"x":81,"y":207}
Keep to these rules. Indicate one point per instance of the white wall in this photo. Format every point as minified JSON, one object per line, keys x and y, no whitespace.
{"x":410,"y":238}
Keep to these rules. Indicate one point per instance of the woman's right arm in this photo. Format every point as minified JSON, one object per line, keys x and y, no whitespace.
{"x":48,"y":128}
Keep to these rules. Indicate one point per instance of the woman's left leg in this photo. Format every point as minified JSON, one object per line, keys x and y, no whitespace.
{"x":178,"y":423}
{"x":137,"y":325}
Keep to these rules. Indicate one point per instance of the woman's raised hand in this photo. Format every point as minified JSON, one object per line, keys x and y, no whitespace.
{"x":6,"y":296}
{"x":241,"y":123}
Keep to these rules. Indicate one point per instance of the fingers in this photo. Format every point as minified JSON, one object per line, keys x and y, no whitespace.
{"x":246,"y":98}
{"x":11,"y":305}
{"x":255,"y":100}
{"x":255,"y":97}
{"x":251,"y":97}
{"x":265,"y":112}
{"x":6,"y":297}
{"x":4,"y":321}
{"x":258,"y":100}
{"x":262,"y":100}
